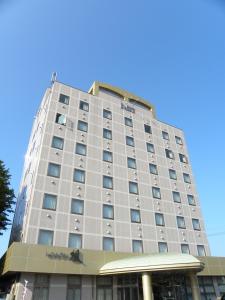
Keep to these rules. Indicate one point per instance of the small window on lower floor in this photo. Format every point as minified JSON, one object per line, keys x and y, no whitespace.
{"x":191,"y":200}
{"x":172,"y":174}
{"x":73,"y":287}
{"x":108,"y":212}
{"x":187,"y":178}
{"x":60,"y":119}
{"x":150,"y":148}
{"x":196,"y":224}
{"x":131,"y":163}
{"x":159,"y":219}
{"x":162,"y":247}
{"x":57,"y":142}
{"x":107,"y":156}
{"x":45,"y":237}
{"x":75,"y":241}
{"x":137,"y":246}
{"x":108,"y":244}
{"x":201,"y":250}
{"x":133,"y":187}
{"x":185,"y":248}
{"x":107,"y":182}
{"x":183,"y":158}
{"x":176,"y":197}
{"x":156,"y":193}
{"x":79,"y":176}
{"x":135,"y":216}
{"x":54,"y":170}
{"x":77,"y":206}
{"x":181,"y":222}
{"x":41,"y":287}
{"x":49,"y":201}
{"x":153,"y":169}
{"x":81,"y":149}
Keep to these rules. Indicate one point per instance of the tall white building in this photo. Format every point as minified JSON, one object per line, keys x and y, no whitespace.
{"x":103,"y":175}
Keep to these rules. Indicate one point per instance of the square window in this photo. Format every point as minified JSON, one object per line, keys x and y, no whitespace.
{"x":185,"y":248}
{"x":183,"y":158}
{"x":129,"y":141}
{"x":49,"y":201}
{"x":45,"y":237}
{"x":159,"y":219}
{"x":135,"y":216}
{"x":107,"y":156}
{"x":54,"y":170}
{"x":150,"y":147}
{"x":79,"y":176}
{"x":57,"y":142}
{"x":163,"y":248}
{"x":181,"y":222}
{"x":148,"y":128}
{"x":60,"y":119}
{"x":137,"y":246}
{"x":191,"y":199}
{"x":165,"y":135}
{"x":176,"y":197}
{"x":75,"y":241}
{"x":196,"y":224}
{"x":108,"y":212}
{"x":82,"y":126}
{"x":201,"y":250}
{"x":178,"y":140}
{"x":107,"y":182}
{"x":172,"y":174}
{"x":64,"y":99}
{"x":128,"y":122}
{"x":107,"y":134}
{"x":156,"y":192}
{"x":84,"y":106}
{"x":81,"y":149}
{"x":107,"y":114}
{"x":169,"y":154}
{"x":77,"y":206}
{"x":108,"y":244}
{"x":187,"y":178}
{"x":153,"y":169}
{"x":131,"y":163}
{"x":133,"y":187}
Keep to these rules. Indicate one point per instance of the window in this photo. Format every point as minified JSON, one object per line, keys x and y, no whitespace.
{"x":150,"y":148}
{"x":165,"y":135}
{"x":75,"y":241}
{"x":185,"y":248}
{"x":82,"y":126}
{"x":77,"y":206}
{"x":131,"y":163}
{"x":73,"y":287}
{"x":159,"y":219}
{"x":172,"y":174}
{"x":176,"y":197}
{"x":148,"y":128}
{"x":153,"y":169}
{"x":45,"y":237}
{"x":54,"y":170}
{"x":64,"y":99}
{"x":169,"y":154}
{"x":181,"y":222}
{"x":133,"y":187}
{"x":196,"y":224}
{"x":178,"y":140}
{"x":57,"y":142}
{"x":129,"y":141}
{"x":135,"y":216}
{"x":107,"y":114}
{"x":49,"y":201}
{"x":107,"y":134}
{"x":81,"y":149}
{"x":191,"y":199}
{"x":108,"y":244}
{"x":107,"y":156}
{"x":108,"y":211}
{"x":128,"y":122}
{"x":41,"y":287}
{"x":84,"y":106}
{"x":162,"y":247}
{"x":187,"y":178}
{"x":156,"y":192}
{"x":60,"y":119}
{"x":104,"y":288}
{"x":107,"y":182}
{"x":137,"y":246}
{"x":201,"y":250}
{"x":183,"y":158}
{"x":79,"y":176}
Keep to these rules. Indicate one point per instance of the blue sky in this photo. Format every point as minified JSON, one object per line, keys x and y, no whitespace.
{"x":170,"y":52}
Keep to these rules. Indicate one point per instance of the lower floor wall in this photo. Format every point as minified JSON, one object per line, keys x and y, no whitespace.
{"x":28,"y":286}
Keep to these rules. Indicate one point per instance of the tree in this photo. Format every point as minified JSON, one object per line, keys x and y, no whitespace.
{"x":6,"y":198}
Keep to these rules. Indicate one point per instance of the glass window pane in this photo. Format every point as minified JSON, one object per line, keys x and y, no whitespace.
{"x":57,"y":142}
{"x":153,"y":169}
{"x":178,"y":140}
{"x":180,"y":222}
{"x":75,"y":241}
{"x":128,"y":122}
{"x":83,"y":126}
{"x":49,"y":201}
{"x":131,"y":163}
{"x":187,"y":178}
{"x":107,"y":114}
{"x":79,"y":176}
{"x":176,"y":197}
{"x":185,"y":248}
{"x":165,"y":135}
{"x":162,"y":247}
{"x":201,"y":250}
{"x":84,"y":106}
{"x":129,"y":141}
{"x":77,"y":206}
{"x":53,"y":170}
{"x":60,"y":119}
{"x":107,"y":211}
{"x":108,"y":244}
{"x":107,"y":182}
{"x":147,"y":128}
{"x":172,"y":174}
{"x":135,"y":215}
{"x":107,"y":134}
{"x":191,"y":199}
{"x":64,"y":99}
{"x":183,"y":158}
{"x":45,"y":237}
{"x":107,"y":156}
{"x":156,"y":193}
{"x":137,"y":246}
{"x":81,"y":149}
{"x":150,"y":147}
{"x":159,"y":219}
{"x":196,"y":224}
{"x":169,"y":154}
{"x":133,"y":187}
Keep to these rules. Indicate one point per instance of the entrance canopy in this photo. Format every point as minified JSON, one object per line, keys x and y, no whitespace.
{"x":152,"y":263}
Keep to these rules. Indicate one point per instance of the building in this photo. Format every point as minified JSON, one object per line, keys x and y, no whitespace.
{"x":107,"y":207}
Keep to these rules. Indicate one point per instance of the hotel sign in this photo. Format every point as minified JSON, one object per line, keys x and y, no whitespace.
{"x":127,"y":107}
{"x":74,"y":256}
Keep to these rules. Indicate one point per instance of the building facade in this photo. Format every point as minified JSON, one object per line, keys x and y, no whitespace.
{"x":104,"y":181}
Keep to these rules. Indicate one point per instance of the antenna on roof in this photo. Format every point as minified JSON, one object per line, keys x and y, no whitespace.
{"x":54,"y":76}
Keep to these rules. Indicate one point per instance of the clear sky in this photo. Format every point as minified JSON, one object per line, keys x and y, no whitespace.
{"x":170,"y":52}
